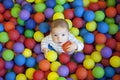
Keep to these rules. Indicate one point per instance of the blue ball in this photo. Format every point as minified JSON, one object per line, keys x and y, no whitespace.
{"x":77,"y":3}
{"x":30,"y":24}
{"x":83,"y":31}
{"x":109,"y":72}
{"x":89,"y":15}
{"x":78,"y":11}
{"x":20,"y":29}
{"x":89,"y":38}
{"x":50,"y":3}
{"x":10,"y":76}
{"x":30,"y":62}
{"x":8,"y":4}
{"x":19,"y":60}
{"x":1,"y":27}
{"x":44,"y":27}
{"x":1,"y":47}
{"x":102,"y":27}
{"x":28,"y":7}
{"x":66,"y":6}
{"x":79,"y":57}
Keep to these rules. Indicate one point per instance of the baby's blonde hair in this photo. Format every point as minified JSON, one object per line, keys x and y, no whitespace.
{"x":59,"y":23}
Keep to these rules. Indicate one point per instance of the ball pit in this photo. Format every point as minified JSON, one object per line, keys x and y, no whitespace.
{"x":24,"y":23}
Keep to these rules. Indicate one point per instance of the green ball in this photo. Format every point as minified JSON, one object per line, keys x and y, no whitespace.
{"x":4,"y":37}
{"x":8,"y":55}
{"x":61,"y":78}
{"x":29,"y":33}
{"x":15,"y":11}
{"x":98,"y":72}
{"x":109,"y":20}
{"x":99,"y":16}
{"x":20,"y":21}
{"x":111,"y":3}
{"x":61,"y":2}
{"x":113,"y":29}
{"x":17,"y":5}
{"x":58,"y":8}
{"x":40,"y":7}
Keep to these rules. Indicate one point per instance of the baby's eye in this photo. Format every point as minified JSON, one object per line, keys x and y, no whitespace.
{"x":63,"y":34}
{"x":55,"y":35}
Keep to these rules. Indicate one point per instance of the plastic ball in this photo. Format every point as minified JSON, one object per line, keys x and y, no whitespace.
{"x":109,"y":13}
{"x":98,"y":72}
{"x":52,"y":76}
{"x":37,"y":1}
{"x":102,"y":4}
{"x":29,"y":73}
{"x":73,"y":76}
{"x":106,"y":52}
{"x":38,"y":75}
{"x":79,"y":38}
{"x":94,"y":6}
{"x":91,"y":26}
{"x":7,"y":15}
{"x":86,"y":3}
{"x":8,"y":4}
{"x":99,"y":16}
{"x":30,"y":1}
{"x":93,"y":0}
{"x":100,"y":38}
{"x":49,"y":12}
{"x":28,"y":7}
{"x":40,"y":7}
{"x":79,"y":57}
{"x":51,"y":56}
{"x":61,"y":78}
{"x":102,"y":27}
{"x":65,"y":45}
{"x":3,"y":72}
{"x":74,"y":31}
{"x":8,"y":55}
{"x":9,"y":64}
{"x":78,"y":22}
{"x":28,"y":33}
{"x":50,"y":3}
{"x":110,"y":3}
{"x":30,"y":24}
{"x":9,"y":26}
{"x":112,"y":30}
{"x":15,"y":11}
{"x":2,"y":8}
{"x":58,"y":15}
{"x":89,"y":38}
{"x":27,"y":53}
{"x":60,"y":2}
{"x":109,"y":20}
{"x":30,"y":62}
{"x":69,"y":23}
{"x":19,"y":60}
{"x":115,"y":61}
{"x":117,"y":36}
{"x":21,"y":76}
{"x":63,"y":70}
{"x":117,"y":8}
{"x":38,"y":36}
{"x":44,"y":65}
{"x":4,"y":37}
{"x":64,"y":58}
{"x":77,"y":3}
{"x":68,"y":13}
{"x":58,"y":8}
{"x":37,"y":49}
{"x":29,"y":43}
{"x":1,"y":18}
{"x":2,"y":63}
{"x":24,"y":14}
{"x":78,"y":11}
{"x":88,"y":63}
{"x":39,"y":17}
{"x":83,"y":31}
{"x":89,"y":15}
{"x":66,"y":6}
{"x":109,"y":72}
{"x":55,"y":65}
{"x":44,"y":27}
{"x":20,"y":21}
{"x":18,"y":69}
{"x":20,"y":29}
{"x":96,"y":56}
{"x":10,"y":76}
{"x":88,"y":48}
{"x":109,"y":41}
{"x":72,"y":66}
{"x":116,"y":77}
{"x":40,"y":57}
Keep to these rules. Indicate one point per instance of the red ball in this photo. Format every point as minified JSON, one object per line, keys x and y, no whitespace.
{"x":13,"y":20}
{"x":118,"y":46}
{"x":72,"y":66}
{"x":2,"y":8}
{"x":9,"y":44}
{"x":90,"y":75}
{"x":21,"y":38}
{"x":65,"y":45}
{"x":111,"y":12}
{"x":2,"y":63}
{"x":44,"y":65}
{"x":88,"y":48}
{"x":69,"y":13}
{"x":13,"y":34}
{"x":116,"y":77}
{"x":1,"y":18}
{"x":9,"y":26}
{"x":30,"y":43}
{"x":3,"y":72}
{"x":18,"y":69}
{"x":116,"y":53}
{"x":64,"y":58}
{"x":94,"y":6}
{"x":100,"y":38}
{"x":109,"y":41}
{"x":118,"y":8}
{"x":78,"y":22}
{"x":7,"y":15}
{"x":105,"y":62}
{"x":39,"y":17}
{"x":102,"y":4}
{"x":117,"y":36}
{"x":38,"y":75}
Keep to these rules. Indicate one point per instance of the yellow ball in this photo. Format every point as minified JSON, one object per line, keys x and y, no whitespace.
{"x":86,"y":3}
{"x":115,"y":61}
{"x":93,"y":0}
{"x":29,"y":73}
{"x":98,"y":47}
{"x":70,"y":0}
{"x":21,"y":77}
{"x":51,"y":56}
{"x":58,"y":15}
{"x":88,"y":63}
{"x":30,"y":1}
{"x":55,"y":65}
{"x":27,"y":52}
{"x":80,"y":39}
{"x":73,"y":76}
{"x":96,"y":56}
{"x":53,"y":76}
{"x":87,"y":56}
{"x":69,"y":23}
{"x":38,"y":36}
{"x":39,"y":1}
{"x":74,"y":31}
{"x":91,"y":26}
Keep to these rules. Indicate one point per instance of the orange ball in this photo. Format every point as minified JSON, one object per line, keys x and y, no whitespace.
{"x":9,"y":26}
{"x":111,"y":12}
{"x":90,"y":75}
{"x":1,"y":18}
{"x":100,"y":38}
{"x":10,"y":44}
{"x":102,"y":4}
{"x":64,"y":46}
{"x":44,"y":65}
{"x":39,"y":17}
{"x":116,"y":77}
{"x":118,"y":47}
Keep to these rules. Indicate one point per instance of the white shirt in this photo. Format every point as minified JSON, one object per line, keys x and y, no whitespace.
{"x":48,"y":41}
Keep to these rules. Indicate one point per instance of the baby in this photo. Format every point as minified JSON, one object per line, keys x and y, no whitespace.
{"x":59,"y":34}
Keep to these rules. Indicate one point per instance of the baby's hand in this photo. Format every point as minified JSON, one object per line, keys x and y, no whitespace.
{"x":72,"y":47}
{"x":45,"y":50}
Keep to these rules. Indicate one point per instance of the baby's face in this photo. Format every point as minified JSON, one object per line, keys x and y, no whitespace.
{"x":59,"y":35}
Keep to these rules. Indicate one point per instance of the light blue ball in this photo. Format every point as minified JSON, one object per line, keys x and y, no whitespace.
{"x":89,"y":15}
{"x":30,"y":24}
{"x":1,"y":27}
{"x":44,"y":27}
{"x":89,"y":38}
{"x":78,"y":11}
{"x":50,"y":3}
{"x":20,"y":29}
{"x":109,"y":72}
{"x":66,"y":6}
{"x":83,"y":31}
{"x":30,"y":62}
{"x":10,"y":76}
{"x":19,"y":60}
{"x":102,"y":27}
{"x":77,"y":3}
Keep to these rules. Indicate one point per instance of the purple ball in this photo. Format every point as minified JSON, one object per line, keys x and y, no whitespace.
{"x":19,"y":1}
{"x":9,"y":64}
{"x":49,"y":13}
{"x":117,"y":70}
{"x":63,"y":71}
{"x":79,"y":57}
{"x":37,"y":49}
{"x":40,"y":57}
{"x":1,"y":78}
{"x":99,"y":64}
{"x":69,"y":79}
{"x":24,"y":14}
{"x":117,"y":19}
{"x":106,"y":52}
{"x":18,"y":47}
{"x":108,"y":35}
